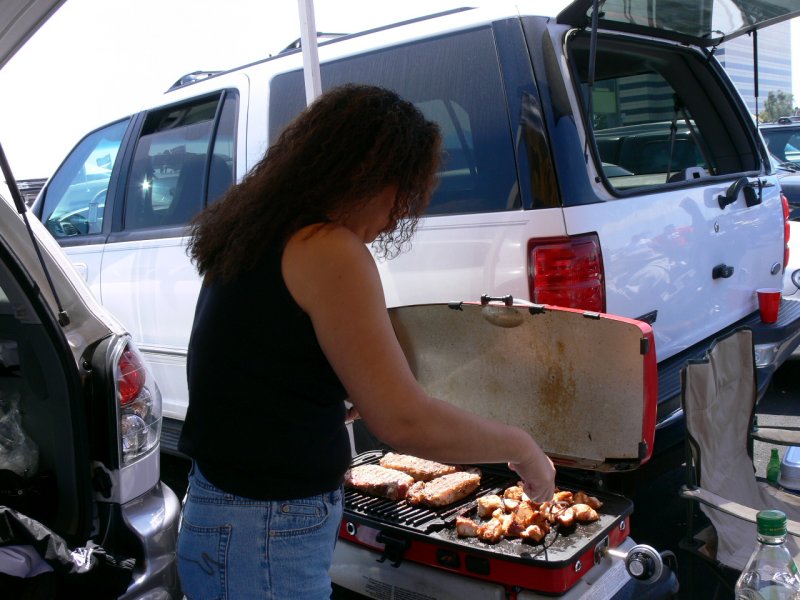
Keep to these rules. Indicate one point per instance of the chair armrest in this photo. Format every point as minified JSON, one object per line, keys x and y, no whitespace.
{"x":786,"y":436}
{"x":729,"y":507}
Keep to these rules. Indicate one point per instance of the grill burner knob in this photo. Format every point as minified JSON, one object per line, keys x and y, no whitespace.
{"x":644,"y":563}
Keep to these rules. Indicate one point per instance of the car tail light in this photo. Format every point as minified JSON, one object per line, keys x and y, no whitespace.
{"x":567,"y":272}
{"x":139,"y":406}
{"x":786,"y":229}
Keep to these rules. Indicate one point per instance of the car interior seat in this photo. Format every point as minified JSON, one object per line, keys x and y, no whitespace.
{"x":719,"y":395}
{"x":189,"y":198}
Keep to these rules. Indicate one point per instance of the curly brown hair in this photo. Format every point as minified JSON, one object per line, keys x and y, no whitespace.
{"x":342,"y":150}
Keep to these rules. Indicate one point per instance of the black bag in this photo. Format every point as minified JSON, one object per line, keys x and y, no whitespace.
{"x":84,"y":572}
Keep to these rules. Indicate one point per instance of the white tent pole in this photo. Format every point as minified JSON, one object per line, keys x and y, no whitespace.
{"x":308,"y":43}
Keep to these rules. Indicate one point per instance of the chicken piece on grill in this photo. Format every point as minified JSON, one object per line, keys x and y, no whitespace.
{"x":553,"y":510}
{"x":419,"y":468}
{"x":510,"y":505}
{"x":488,"y":504}
{"x":444,"y":490}
{"x":533,"y":533}
{"x":548,"y":510}
{"x":566,"y":518}
{"x":584,"y":513}
{"x":582,"y":497}
{"x":378,"y":481}
{"x":524,"y":514}
{"x":565,"y":496}
{"x":466,"y":527}
{"x":516,"y":526}
{"x":494,"y":529}
{"x":515,"y":492}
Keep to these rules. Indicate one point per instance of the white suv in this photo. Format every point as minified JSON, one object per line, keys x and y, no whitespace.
{"x":615,"y":173}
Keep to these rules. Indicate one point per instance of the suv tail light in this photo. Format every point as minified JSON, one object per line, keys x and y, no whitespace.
{"x":567,"y":272}
{"x":786,"y":229}
{"x":138,"y":406}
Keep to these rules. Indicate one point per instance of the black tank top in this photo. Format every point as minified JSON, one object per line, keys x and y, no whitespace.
{"x":266,"y":412}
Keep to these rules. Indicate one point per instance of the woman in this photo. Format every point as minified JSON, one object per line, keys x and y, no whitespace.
{"x":291,"y":321}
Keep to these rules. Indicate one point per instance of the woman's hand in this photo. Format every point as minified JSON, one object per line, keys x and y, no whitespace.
{"x":538,"y":475}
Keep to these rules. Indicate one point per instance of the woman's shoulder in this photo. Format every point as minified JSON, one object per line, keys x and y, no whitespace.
{"x":323,"y":259}
{"x":332,"y":239}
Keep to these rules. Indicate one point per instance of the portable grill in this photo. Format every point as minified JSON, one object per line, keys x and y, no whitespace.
{"x":404,"y":532}
{"x":550,"y":371}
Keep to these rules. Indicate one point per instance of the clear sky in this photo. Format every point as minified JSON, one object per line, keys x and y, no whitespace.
{"x":96,"y":60}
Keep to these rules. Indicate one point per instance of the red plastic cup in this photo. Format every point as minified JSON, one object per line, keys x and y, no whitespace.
{"x":769,"y":301}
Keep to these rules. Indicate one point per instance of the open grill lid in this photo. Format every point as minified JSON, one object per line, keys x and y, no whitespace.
{"x":583,"y":384}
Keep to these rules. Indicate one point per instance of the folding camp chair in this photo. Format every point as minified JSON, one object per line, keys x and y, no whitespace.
{"x":719,"y":396}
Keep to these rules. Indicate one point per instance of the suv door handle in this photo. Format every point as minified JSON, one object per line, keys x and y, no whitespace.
{"x":722,"y":271}
{"x":751,"y":198}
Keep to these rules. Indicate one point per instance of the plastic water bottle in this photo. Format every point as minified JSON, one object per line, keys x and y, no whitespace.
{"x":773,"y":466}
{"x":770,"y":573}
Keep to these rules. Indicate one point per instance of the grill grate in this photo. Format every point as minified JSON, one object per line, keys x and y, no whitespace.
{"x":420,"y":519}
{"x":558,"y":548}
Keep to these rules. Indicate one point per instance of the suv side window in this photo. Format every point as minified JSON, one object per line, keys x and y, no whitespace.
{"x":74,"y":202}
{"x":454,"y":80}
{"x":653,"y":120}
{"x":184,"y":158}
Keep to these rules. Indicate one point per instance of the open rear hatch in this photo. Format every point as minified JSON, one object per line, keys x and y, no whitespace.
{"x":583,"y":384}
{"x":703,"y":24}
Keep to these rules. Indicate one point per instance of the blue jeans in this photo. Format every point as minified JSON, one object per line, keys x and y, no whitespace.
{"x":231,"y":547}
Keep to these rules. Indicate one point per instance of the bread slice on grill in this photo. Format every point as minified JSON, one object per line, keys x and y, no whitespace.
{"x":419,"y":468}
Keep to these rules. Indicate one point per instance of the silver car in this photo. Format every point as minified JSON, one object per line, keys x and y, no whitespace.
{"x":83,"y":512}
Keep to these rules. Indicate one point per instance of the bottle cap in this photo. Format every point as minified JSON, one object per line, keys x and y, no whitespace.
{"x":771,"y":523}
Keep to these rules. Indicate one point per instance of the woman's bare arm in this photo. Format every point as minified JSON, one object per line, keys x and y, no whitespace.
{"x":333,"y":277}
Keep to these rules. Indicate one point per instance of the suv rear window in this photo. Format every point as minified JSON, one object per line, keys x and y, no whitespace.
{"x":657,"y":117}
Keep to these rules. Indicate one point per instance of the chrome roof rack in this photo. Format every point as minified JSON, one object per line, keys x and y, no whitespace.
{"x":321,"y":37}
{"x":191,"y":78}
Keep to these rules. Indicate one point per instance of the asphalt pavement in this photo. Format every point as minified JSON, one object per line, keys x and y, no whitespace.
{"x":660,"y":515}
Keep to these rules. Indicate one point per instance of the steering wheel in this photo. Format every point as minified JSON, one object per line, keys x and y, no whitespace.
{"x":76,"y":224}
